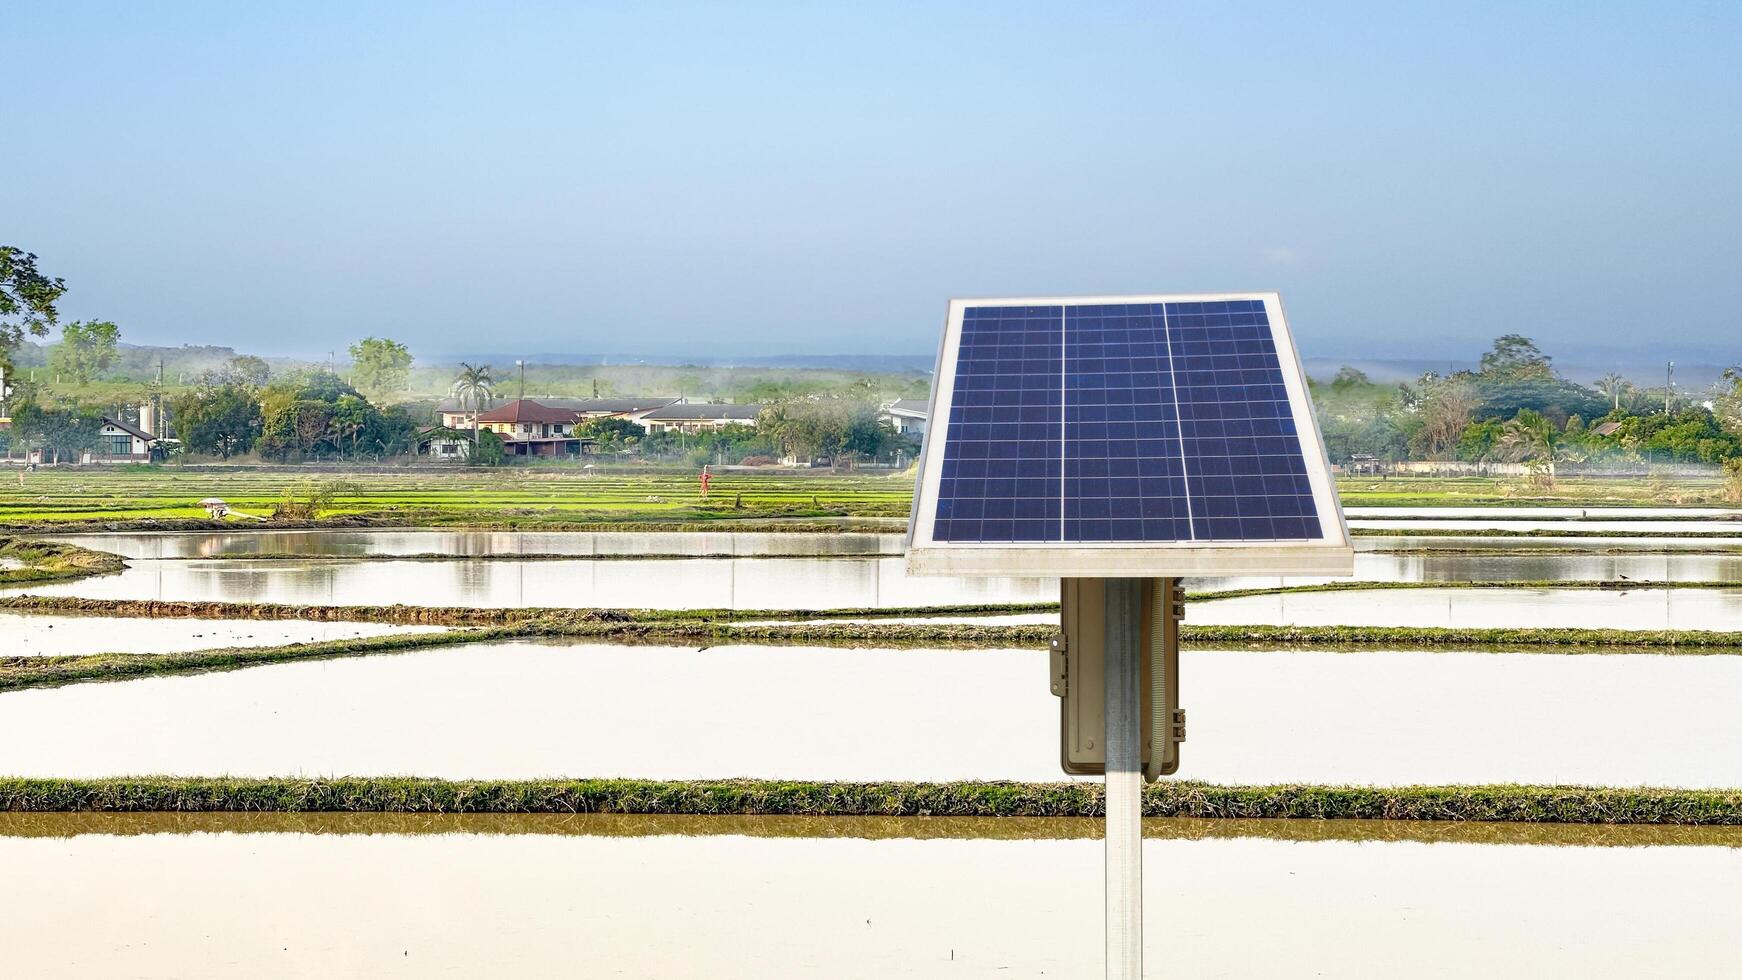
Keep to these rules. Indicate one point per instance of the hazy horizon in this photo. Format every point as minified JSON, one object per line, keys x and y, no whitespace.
{"x":752,"y":180}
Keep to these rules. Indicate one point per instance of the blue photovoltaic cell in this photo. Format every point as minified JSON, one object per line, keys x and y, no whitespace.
{"x":1002,"y":455}
{"x":1125,"y":478}
{"x":1244,"y":473}
{"x":1121,"y":422}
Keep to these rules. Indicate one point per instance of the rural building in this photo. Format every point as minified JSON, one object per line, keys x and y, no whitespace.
{"x":457,"y":416}
{"x":633,"y":409}
{"x":694,"y":419}
{"x":443,"y":443}
{"x":118,"y":442}
{"x":529,"y":428}
{"x":908,"y":416}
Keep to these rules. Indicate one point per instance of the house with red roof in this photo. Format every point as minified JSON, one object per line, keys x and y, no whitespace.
{"x":529,"y":428}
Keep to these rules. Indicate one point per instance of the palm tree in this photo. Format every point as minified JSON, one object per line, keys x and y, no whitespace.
{"x":1613,"y":385}
{"x":1528,"y":436}
{"x":474,"y":386}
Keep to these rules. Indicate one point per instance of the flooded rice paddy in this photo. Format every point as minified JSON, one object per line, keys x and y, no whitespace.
{"x":730,"y":583}
{"x":36,"y":635}
{"x":1585,"y":520}
{"x":296,"y":895}
{"x":657,"y":896}
{"x":1642,"y":609}
{"x":1618,"y":526}
{"x":818,"y":571}
{"x":524,"y":709}
{"x":823,"y":583}
{"x":1486,"y":514}
{"x":422,"y":541}
{"x":748,"y":583}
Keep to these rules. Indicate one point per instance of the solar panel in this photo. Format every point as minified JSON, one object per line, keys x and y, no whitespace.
{"x":1077,"y":428}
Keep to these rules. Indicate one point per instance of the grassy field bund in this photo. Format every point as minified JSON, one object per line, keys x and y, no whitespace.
{"x":564,"y":495}
{"x":1516,"y":804}
{"x":65,"y":824}
{"x":727,"y":627}
{"x":24,"y":561}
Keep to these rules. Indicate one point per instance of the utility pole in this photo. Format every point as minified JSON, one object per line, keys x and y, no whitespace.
{"x":1123,"y":797}
{"x":1668,"y":384}
{"x":522,"y":365}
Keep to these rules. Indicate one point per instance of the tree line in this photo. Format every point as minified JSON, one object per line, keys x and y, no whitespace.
{"x":1515,"y":407}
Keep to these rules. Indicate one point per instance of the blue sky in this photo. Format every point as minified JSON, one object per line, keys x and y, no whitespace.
{"x":756,"y":178}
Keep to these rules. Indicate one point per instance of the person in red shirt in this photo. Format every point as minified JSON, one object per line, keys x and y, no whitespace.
{"x":706,"y":477}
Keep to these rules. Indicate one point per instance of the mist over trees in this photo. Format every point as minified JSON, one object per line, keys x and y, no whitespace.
{"x":86,"y":350}
{"x":380,"y":368}
{"x":1517,"y":408}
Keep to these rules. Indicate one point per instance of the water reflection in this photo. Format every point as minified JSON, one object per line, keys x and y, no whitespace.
{"x":482,"y":904}
{"x":1572,"y":545}
{"x":1642,"y":609}
{"x":824,"y":583}
{"x":524,"y":710}
{"x":38,"y":635}
{"x":1478,"y":514}
{"x":1386,"y":566}
{"x":1510,"y":523}
{"x":738,"y":583}
{"x":363,"y":543}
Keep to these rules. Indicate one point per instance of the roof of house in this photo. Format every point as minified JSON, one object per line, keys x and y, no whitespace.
{"x":1606,"y":428}
{"x":124,"y":427}
{"x":677,"y":413}
{"x":585,"y":406}
{"x":911,"y":407}
{"x":527,"y":410}
{"x":616,"y":406}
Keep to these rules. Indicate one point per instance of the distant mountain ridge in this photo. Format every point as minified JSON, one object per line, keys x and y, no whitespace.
{"x":1694,"y":369}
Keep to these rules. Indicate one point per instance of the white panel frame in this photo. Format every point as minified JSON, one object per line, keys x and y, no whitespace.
{"x":1329,"y":554}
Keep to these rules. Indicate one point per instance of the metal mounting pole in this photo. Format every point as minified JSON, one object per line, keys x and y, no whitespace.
{"x":1124,"y":742}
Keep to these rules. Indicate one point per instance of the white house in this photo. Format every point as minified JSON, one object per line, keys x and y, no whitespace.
{"x":908,"y":415}
{"x":457,"y":416}
{"x":444,"y":444}
{"x":699,"y":418}
{"x":118,"y":442}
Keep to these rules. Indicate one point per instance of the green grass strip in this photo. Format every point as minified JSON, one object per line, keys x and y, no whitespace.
{"x":1611,"y":585}
{"x":1492,"y":532}
{"x":473,"y":616}
{"x":784,"y":521}
{"x":1524,"y":804}
{"x":51,"y":561}
{"x":18,"y":673}
{"x":277,"y":556}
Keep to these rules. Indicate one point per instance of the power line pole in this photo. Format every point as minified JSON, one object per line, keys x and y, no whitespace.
{"x":1123,"y":797}
{"x":1668,"y":384}
{"x":522,"y":365}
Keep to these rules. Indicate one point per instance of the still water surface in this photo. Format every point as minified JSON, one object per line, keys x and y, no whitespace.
{"x":470,"y":904}
{"x":738,"y":583}
{"x":1546,"y":513}
{"x":825,"y":583}
{"x":418,"y":541}
{"x":1723,"y":527}
{"x":1640,"y":609}
{"x":34,"y":635}
{"x":525,"y":709}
